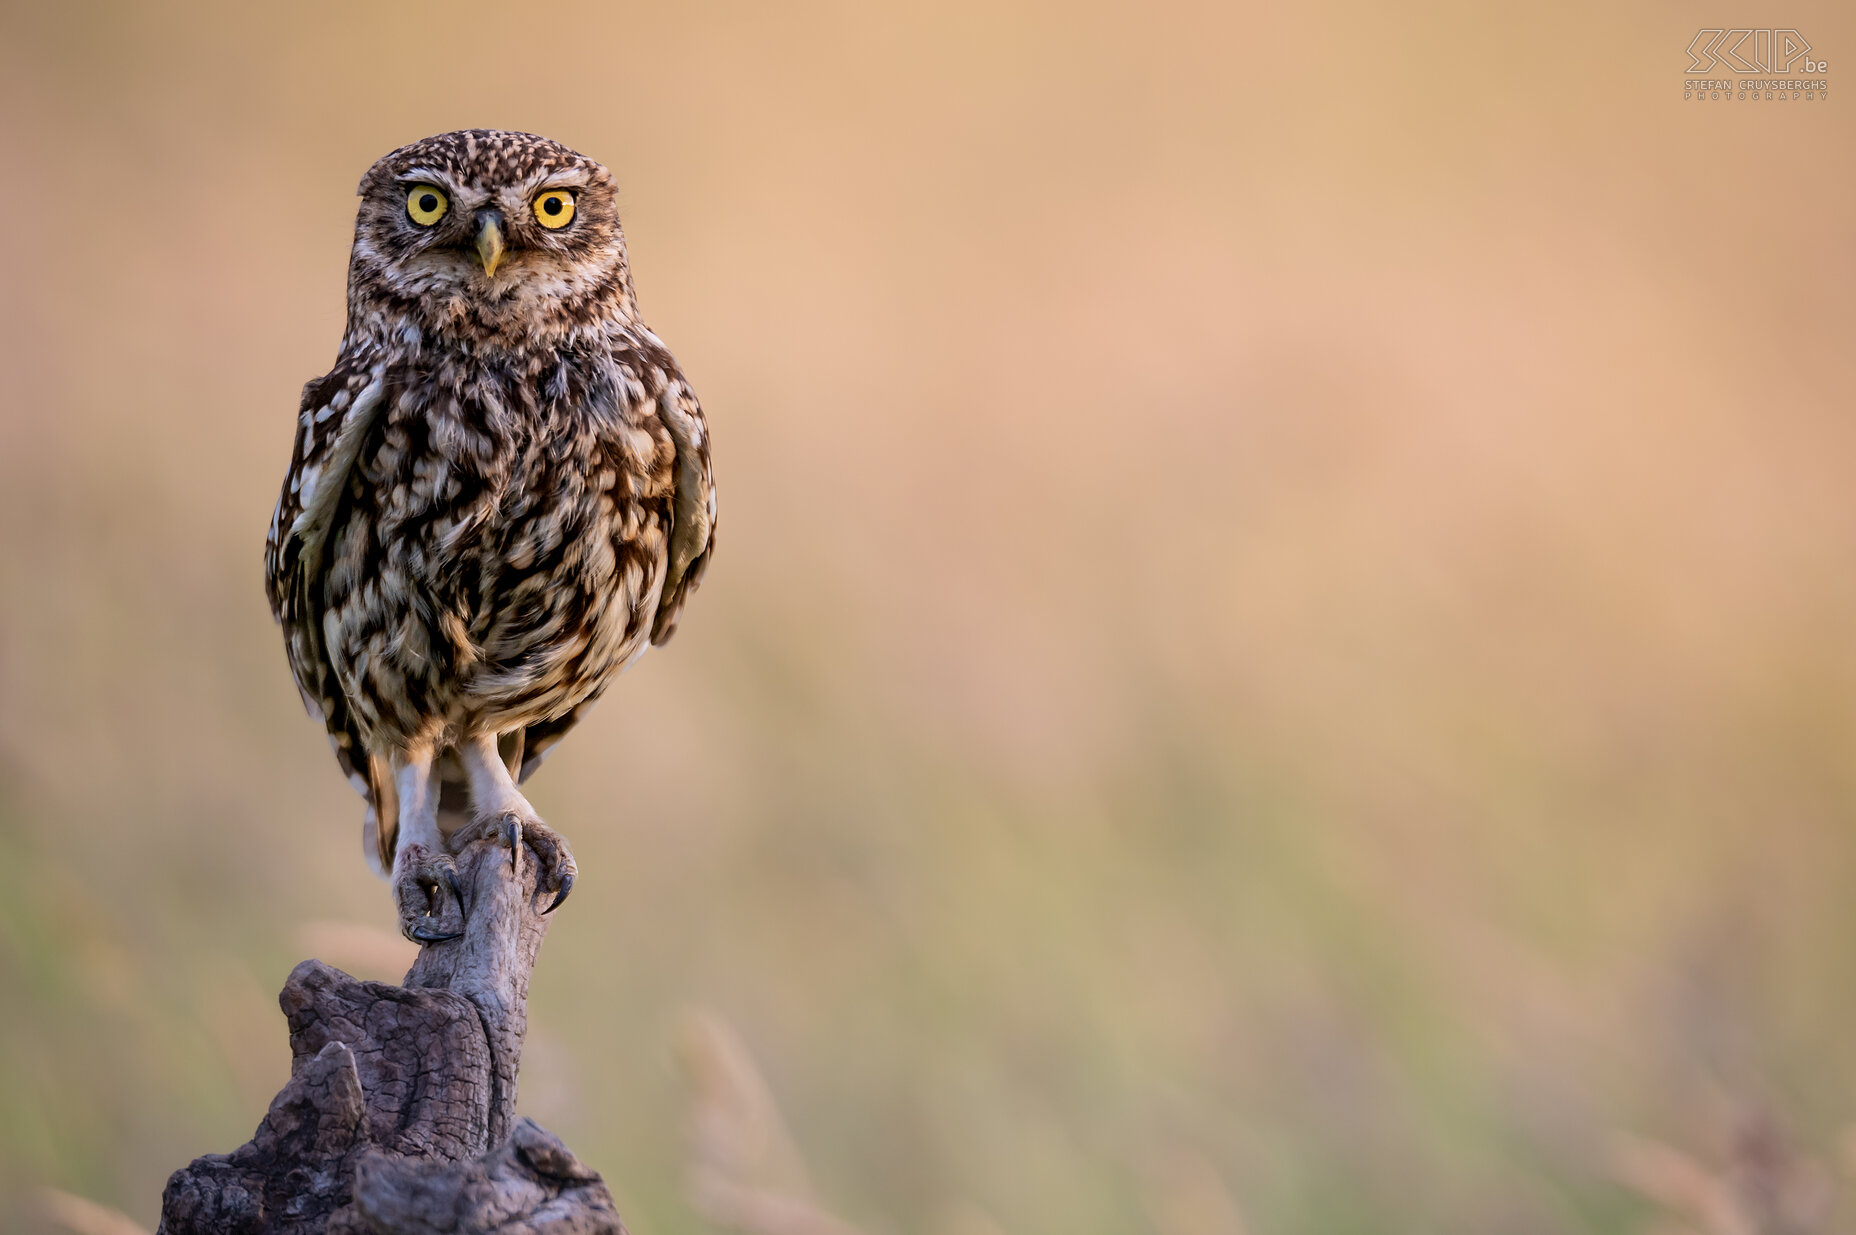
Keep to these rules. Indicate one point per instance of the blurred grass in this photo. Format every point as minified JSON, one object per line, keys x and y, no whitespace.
{"x":1280,"y":658}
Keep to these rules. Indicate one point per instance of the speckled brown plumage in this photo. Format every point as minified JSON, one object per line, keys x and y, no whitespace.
{"x":500,"y":495}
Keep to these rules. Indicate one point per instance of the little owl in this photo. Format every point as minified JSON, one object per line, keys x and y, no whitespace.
{"x":498,"y":498}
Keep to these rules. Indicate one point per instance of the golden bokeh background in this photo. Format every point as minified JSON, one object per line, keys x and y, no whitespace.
{"x":1282,"y":656}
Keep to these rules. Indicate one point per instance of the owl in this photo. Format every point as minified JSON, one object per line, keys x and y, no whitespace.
{"x":498,"y":499}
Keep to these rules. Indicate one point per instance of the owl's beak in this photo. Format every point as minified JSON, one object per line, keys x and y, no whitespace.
{"x":490,"y":241}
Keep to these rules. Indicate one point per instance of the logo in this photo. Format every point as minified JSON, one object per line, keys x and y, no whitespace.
{"x":1779,"y":64}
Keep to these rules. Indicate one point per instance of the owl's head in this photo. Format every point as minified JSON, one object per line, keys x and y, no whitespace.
{"x":495,"y":237}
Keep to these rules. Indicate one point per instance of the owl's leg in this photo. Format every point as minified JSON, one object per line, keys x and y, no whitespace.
{"x":420,"y":861}
{"x":494,"y":796}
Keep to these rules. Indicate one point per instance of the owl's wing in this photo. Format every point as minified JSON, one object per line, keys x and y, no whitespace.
{"x":692,"y":543}
{"x":338,"y":413}
{"x":692,"y":528}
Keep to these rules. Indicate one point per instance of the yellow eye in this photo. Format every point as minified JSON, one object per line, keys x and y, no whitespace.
{"x":426,"y":204}
{"x":554,"y":208}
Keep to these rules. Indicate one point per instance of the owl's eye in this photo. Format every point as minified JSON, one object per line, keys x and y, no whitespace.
{"x":554,"y":208}
{"x":426,"y":204}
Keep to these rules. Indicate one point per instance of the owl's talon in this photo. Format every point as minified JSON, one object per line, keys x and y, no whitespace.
{"x":512,"y":831}
{"x":567,"y":885}
{"x":424,"y":934}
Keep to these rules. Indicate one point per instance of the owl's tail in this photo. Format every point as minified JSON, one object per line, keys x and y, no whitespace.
{"x":380,"y":828}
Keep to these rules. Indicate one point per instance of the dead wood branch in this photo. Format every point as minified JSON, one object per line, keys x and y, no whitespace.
{"x":399,"y":1117}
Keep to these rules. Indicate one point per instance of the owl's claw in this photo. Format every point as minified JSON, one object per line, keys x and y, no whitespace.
{"x":557,"y":861}
{"x":420,"y":881}
{"x":423,"y":935}
{"x":567,"y":885}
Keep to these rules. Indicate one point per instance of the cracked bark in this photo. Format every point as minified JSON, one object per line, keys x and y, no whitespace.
{"x":399,"y":1116}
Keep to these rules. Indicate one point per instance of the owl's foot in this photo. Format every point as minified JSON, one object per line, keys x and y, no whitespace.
{"x":557,"y":860}
{"x":425,"y":886}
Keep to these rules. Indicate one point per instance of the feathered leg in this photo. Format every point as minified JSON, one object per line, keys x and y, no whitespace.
{"x":425,"y":879}
{"x":494,"y":796}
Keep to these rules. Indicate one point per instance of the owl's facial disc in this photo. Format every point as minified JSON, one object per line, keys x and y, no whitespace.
{"x":489,"y":236}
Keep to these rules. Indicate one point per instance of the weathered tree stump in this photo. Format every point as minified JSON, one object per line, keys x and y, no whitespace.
{"x":399,"y":1117}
